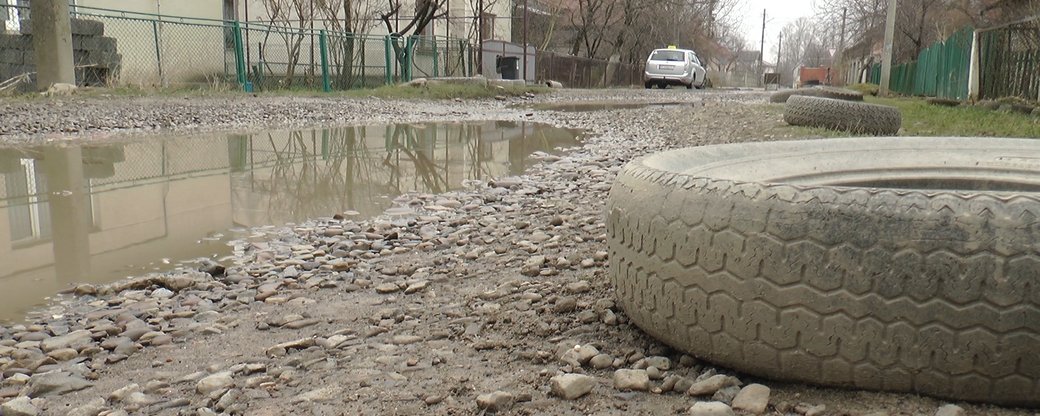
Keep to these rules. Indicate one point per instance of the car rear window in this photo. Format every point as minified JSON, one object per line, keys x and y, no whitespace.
{"x":676,"y":56}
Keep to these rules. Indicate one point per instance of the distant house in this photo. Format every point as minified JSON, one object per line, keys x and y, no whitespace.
{"x":168,"y":52}
{"x":860,"y":56}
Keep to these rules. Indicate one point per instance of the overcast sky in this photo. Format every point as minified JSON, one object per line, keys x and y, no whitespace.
{"x":778,"y":14}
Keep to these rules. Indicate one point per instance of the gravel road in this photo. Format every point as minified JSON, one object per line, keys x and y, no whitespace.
{"x":489,"y":299}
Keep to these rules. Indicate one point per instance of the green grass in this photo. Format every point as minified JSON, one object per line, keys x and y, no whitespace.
{"x":866,"y":89}
{"x":923,"y":119}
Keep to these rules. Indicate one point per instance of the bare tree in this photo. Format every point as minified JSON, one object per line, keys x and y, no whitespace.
{"x":345,"y":19}
{"x":292,"y":18}
{"x":425,"y":12}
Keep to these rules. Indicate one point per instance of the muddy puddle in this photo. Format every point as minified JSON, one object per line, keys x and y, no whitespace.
{"x":71,"y":214}
{"x":583,"y":106}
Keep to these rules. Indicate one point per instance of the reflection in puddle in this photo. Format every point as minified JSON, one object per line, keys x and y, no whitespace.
{"x":71,"y":214}
{"x":578,"y":106}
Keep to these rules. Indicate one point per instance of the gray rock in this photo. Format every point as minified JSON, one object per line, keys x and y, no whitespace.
{"x":579,"y":355}
{"x":56,"y":384}
{"x":508,"y":182}
{"x":119,"y":395}
{"x":75,"y":340}
{"x":495,"y":401}
{"x":215,"y":382}
{"x":138,"y":400}
{"x":668,"y":384}
{"x":662,"y":363}
{"x":626,"y":379}
{"x":726,"y":394}
{"x":711,"y":385}
{"x":92,"y":408}
{"x":162,"y":293}
{"x":320,"y":395}
{"x":21,"y":406}
{"x":601,"y":361}
{"x":753,"y":398}
{"x":816,"y":410}
{"x":950,"y":410}
{"x":63,"y":354}
{"x":580,"y":286}
{"x":572,"y":386}
{"x":711,"y":409}
{"x":654,"y":373}
{"x":405,"y":339}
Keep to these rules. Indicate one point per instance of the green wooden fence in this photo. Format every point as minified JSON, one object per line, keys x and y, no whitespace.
{"x":941,"y":70}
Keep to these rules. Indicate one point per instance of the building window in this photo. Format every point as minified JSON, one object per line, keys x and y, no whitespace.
{"x":12,"y":12}
{"x":28,"y":211}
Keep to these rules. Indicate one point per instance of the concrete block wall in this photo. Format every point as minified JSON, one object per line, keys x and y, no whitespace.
{"x":96,"y":56}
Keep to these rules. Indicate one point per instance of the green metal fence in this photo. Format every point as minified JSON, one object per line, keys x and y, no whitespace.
{"x":941,"y":70}
{"x":166,"y":51}
{"x":1010,"y":61}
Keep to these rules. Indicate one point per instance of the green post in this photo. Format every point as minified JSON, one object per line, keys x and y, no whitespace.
{"x":386,"y":51}
{"x":323,"y":44}
{"x":436,"y":60}
{"x":240,"y":56}
{"x":409,"y":45}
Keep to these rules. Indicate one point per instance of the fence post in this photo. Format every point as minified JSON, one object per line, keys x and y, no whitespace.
{"x":158,"y":54}
{"x":973,"y":68}
{"x":323,"y":45}
{"x":386,"y":52}
{"x":436,"y":61}
{"x":240,"y":57}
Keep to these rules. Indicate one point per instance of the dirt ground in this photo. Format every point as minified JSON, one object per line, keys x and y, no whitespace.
{"x":443,"y":299}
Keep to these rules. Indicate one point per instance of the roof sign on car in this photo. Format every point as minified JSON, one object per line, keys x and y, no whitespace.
{"x":671,"y":47}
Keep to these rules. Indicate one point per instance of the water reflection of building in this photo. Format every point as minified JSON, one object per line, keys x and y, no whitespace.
{"x":105,"y":212}
{"x":284,"y":176}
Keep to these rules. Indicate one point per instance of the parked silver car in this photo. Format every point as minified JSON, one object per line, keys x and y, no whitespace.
{"x":674,"y":67}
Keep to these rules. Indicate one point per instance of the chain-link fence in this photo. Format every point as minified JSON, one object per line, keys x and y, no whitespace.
{"x":120,"y":48}
{"x":578,"y":72}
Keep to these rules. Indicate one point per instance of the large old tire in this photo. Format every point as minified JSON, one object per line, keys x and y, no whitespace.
{"x":898,"y":264}
{"x":824,"y":92}
{"x":853,"y":117}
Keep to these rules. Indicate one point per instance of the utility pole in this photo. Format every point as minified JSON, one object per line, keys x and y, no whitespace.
{"x":779,"y":47}
{"x":841,"y":44}
{"x":480,"y":37}
{"x":52,"y":43}
{"x":886,"y":56}
{"x":525,"y":40}
{"x":762,"y":48}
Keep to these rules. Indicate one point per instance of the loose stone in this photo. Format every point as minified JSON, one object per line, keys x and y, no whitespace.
{"x":711,"y":385}
{"x":572,"y":386}
{"x":626,"y":379}
{"x":215,"y":382}
{"x":754,"y":398}
{"x":950,"y":410}
{"x":711,"y":409}
{"x":601,"y":361}
{"x":496,"y":401}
